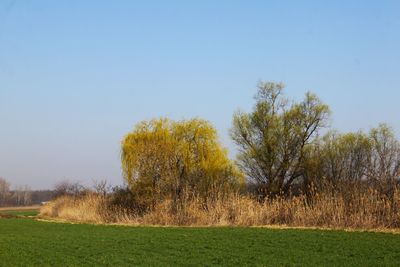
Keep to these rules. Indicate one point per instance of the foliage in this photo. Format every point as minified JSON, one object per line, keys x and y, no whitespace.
{"x":343,"y":161}
{"x":281,"y":151}
{"x":273,"y":138}
{"x":384,"y":163}
{"x":122,"y":199}
{"x":337,"y":161}
{"x":163,"y":158}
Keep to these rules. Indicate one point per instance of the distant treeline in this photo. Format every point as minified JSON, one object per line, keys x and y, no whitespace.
{"x":25,"y":196}
{"x":22,"y":195}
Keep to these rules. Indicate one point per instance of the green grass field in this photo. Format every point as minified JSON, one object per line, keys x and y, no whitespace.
{"x":26,"y":242}
{"x":20,"y":212}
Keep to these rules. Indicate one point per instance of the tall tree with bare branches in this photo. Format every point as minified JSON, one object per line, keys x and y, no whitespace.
{"x":273,"y":137}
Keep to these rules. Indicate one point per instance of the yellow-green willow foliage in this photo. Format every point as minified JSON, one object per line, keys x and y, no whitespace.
{"x":171,"y":159}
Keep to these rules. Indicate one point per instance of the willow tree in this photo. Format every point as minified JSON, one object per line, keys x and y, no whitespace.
{"x":272,"y":139}
{"x":166,"y":159}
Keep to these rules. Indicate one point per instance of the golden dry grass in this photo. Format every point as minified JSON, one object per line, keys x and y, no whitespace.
{"x":84,"y":209}
{"x":360,"y":211}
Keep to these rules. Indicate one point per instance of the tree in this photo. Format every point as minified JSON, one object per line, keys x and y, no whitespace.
{"x":384,"y":165}
{"x":101,"y":187}
{"x":4,"y":191}
{"x":22,"y":195}
{"x":346,"y":157}
{"x":273,"y":138}
{"x":167,"y":159}
{"x":66,"y":187}
{"x":337,"y":161}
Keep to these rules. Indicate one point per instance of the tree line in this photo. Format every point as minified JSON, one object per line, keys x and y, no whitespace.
{"x":25,"y":196}
{"x":21,"y":195}
{"x":284,"y":148}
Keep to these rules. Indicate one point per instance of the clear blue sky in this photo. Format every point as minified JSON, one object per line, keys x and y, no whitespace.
{"x":75,"y":76}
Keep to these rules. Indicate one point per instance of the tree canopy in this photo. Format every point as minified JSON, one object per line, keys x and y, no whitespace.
{"x":163,"y":158}
{"x":272,"y":138}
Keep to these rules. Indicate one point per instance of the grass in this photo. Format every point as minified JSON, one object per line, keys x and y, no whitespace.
{"x":20,"y":211}
{"x":25,"y":213}
{"x":356,"y":211}
{"x":27,"y":242}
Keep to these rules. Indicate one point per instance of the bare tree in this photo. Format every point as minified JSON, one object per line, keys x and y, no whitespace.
{"x":68,"y":188}
{"x":27,"y":195}
{"x":18,"y":196}
{"x":101,"y":187}
{"x":384,"y":166}
{"x":4,"y":191}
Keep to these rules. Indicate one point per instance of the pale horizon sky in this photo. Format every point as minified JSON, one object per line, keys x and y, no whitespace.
{"x":76,"y":76}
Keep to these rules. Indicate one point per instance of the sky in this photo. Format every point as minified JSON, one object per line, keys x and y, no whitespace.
{"x":76,"y":76}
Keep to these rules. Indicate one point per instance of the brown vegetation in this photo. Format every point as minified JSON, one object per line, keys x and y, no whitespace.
{"x":369,"y":210}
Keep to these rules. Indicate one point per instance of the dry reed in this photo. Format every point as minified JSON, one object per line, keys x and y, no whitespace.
{"x":361,"y":211}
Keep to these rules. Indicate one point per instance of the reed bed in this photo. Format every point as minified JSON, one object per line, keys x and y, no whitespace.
{"x":368,"y":210}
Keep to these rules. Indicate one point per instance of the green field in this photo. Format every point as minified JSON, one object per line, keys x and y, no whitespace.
{"x":20,"y":212}
{"x":26,"y":242}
